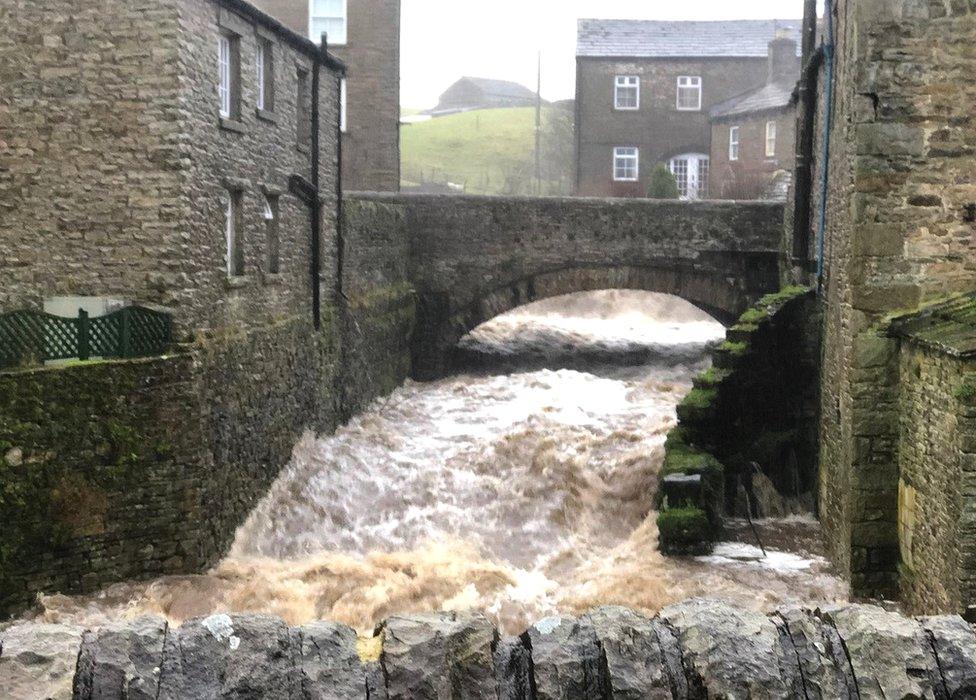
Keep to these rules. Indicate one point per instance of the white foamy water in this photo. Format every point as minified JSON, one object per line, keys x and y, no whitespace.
{"x":521,"y":494}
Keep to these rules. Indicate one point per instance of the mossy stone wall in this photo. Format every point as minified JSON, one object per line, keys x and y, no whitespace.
{"x":758,"y":403}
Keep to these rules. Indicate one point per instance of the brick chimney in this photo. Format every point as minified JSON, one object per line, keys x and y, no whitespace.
{"x":784,"y":66}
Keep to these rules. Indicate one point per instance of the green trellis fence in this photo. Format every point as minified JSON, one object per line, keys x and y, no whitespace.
{"x":28,"y":337}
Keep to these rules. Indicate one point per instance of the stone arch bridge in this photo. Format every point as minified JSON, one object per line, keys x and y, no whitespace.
{"x":471,"y":258}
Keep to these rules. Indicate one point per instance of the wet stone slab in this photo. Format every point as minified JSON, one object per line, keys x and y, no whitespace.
{"x":696,"y":649}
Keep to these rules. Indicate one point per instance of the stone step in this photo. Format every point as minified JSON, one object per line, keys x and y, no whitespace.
{"x":695,"y":649}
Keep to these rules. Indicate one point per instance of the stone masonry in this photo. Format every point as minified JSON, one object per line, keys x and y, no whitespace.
{"x":116,"y":168}
{"x":900,"y":232}
{"x":696,"y":649}
{"x":371,"y":140}
{"x":472,"y":258}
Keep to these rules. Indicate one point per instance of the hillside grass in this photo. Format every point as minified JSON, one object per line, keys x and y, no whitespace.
{"x":489,"y":151}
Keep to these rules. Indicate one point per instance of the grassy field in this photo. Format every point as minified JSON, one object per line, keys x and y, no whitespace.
{"x":487,"y":151}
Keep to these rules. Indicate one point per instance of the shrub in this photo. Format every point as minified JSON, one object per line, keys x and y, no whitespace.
{"x":662,"y":184}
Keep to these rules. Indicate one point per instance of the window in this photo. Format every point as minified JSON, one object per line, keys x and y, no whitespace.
{"x":689,"y":93}
{"x":625,"y":164}
{"x":703,"y":164}
{"x":265,"y":75}
{"x":734,"y":143}
{"x":304,"y":111}
{"x":235,"y":251}
{"x":271,"y":231}
{"x":228,"y":66}
{"x":327,"y":17}
{"x":343,"y":105}
{"x":770,"y":139}
{"x":626,"y":94}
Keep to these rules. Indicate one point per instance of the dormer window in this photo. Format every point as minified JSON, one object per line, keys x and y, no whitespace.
{"x":328,"y":17}
{"x":626,"y":94}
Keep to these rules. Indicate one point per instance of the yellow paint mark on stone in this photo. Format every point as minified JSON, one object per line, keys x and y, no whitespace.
{"x":369,"y":648}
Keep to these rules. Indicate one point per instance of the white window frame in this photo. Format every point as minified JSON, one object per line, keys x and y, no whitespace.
{"x":626,"y":82}
{"x":224,"y":84}
{"x":771,"y":139}
{"x":343,"y":106}
{"x":259,"y":60}
{"x":631,"y":156}
{"x":333,"y":40}
{"x":689,"y":82}
{"x":733,"y":143}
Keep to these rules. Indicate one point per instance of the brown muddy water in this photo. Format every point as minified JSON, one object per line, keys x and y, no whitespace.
{"x":521,"y":494}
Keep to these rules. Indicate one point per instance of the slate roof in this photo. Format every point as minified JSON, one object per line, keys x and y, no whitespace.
{"x":654,"y":39}
{"x":500,"y":88}
{"x":769,"y":97}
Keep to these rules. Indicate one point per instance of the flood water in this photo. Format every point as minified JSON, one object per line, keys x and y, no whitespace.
{"x":520,"y":493}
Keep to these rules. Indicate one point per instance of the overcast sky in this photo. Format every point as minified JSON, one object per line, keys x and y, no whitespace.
{"x":444,"y":40}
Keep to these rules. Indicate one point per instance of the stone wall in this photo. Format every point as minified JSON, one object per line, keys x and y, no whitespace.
{"x":471,"y":258}
{"x":696,"y":649}
{"x":751,"y":175}
{"x":748,"y":427}
{"x":937,"y":486}
{"x":371,"y":141}
{"x":900,"y":232}
{"x":130,"y":201}
{"x":130,"y":470}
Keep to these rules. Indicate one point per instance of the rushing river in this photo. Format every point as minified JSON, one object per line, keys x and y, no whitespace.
{"x":521,"y":493}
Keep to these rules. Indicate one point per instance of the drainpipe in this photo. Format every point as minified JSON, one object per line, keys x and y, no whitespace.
{"x":807,"y":100}
{"x":828,"y":52}
{"x":316,"y":200}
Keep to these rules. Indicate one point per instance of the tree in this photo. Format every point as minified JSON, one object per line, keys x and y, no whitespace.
{"x":663,"y":185}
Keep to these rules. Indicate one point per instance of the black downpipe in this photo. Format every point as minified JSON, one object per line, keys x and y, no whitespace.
{"x":807,"y":99}
{"x":316,"y":203}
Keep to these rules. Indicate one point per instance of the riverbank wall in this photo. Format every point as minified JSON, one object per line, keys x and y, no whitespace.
{"x":119,"y":470}
{"x":695,"y":649}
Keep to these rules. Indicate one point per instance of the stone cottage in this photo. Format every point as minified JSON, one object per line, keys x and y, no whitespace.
{"x":644,"y":91}
{"x":183,"y":155}
{"x":753,"y":135}
{"x":365,"y":35}
{"x":892,"y":250}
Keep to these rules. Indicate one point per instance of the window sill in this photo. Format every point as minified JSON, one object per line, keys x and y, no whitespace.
{"x":234,"y":125}
{"x":267,"y":115}
{"x":273,"y":279}
{"x":689,"y":109}
{"x":626,"y":109}
{"x":239,"y":282}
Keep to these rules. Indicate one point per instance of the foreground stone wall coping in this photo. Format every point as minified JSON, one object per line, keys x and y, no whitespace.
{"x":695,"y":649}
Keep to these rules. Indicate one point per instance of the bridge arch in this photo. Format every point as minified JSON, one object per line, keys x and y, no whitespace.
{"x":441,"y":327}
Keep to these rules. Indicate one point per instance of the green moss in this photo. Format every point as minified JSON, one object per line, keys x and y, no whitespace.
{"x":699,"y":398}
{"x":754,"y":316}
{"x":684,"y":529}
{"x":966,"y":392}
{"x":734,"y":349}
{"x":711,"y":378}
{"x":782,"y":296}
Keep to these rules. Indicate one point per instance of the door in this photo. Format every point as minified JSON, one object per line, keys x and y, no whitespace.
{"x":691,"y":172}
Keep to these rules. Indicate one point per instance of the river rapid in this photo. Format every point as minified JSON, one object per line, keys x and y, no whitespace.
{"x":520,"y":492}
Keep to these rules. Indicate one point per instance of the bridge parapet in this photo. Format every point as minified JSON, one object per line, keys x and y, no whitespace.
{"x":473,"y":257}
{"x":696,"y":649}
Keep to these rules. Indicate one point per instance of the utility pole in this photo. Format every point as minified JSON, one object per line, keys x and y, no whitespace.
{"x":538,"y":128}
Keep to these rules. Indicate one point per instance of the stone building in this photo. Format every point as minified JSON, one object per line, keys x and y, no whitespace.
{"x":644,"y":90}
{"x":483,"y":93}
{"x":365,"y":35}
{"x":184,"y":155}
{"x":158,"y":169}
{"x":893,"y":247}
{"x":753,"y":135}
